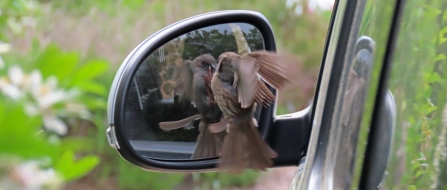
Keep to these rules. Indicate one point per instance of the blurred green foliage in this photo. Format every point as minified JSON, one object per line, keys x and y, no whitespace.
{"x":33,"y":87}
{"x":18,"y":133}
{"x":302,"y":34}
{"x":15,"y":14}
{"x":84,"y":74}
{"x":418,"y":82}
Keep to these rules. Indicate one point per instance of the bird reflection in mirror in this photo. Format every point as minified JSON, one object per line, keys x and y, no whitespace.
{"x":193,"y":80}
{"x":237,"y":90}
{"x":351,"y":115}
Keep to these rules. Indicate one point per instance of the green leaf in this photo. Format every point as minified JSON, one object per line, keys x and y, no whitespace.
{"x":52,"y":61}
{"x":442,"y":37}
{"x":412,"y":187}
{"x":95,"y":103}
{"x":71,"y":169}
{"x":433,"y":77}
{"x":82,"y":144}
{"x":92,"y":87}
{"x":19,"y":133}
{"x":419,"y":173}
{"x":440,"y":57}
{"x":90,"y":70}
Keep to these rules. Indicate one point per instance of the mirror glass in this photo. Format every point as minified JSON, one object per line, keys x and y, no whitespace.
{"x":164,"y":118}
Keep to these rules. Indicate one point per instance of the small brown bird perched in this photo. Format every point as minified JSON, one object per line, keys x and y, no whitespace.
{"x":238,"y":90}
{"x":193,"y":80}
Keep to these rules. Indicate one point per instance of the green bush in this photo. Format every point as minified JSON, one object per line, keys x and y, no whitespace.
{"x":38,"y":97}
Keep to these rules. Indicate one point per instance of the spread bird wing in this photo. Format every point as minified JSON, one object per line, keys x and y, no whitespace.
{"x":183,"y":77}
{"x":278,"y":70}
{"x":245,"y":80}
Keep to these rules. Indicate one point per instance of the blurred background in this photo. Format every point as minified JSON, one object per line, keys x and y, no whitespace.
{"x":57,"y":63}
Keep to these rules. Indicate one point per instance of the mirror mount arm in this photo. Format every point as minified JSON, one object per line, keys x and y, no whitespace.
{"x":289,"y":136}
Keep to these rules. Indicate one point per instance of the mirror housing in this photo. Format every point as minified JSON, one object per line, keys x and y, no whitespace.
{"x":288,"y":134}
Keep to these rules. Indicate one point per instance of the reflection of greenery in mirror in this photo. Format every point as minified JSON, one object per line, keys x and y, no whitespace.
{"x":152,"y":97}
{"x":86,"y":27}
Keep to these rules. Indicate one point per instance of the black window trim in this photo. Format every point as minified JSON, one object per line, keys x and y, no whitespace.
{"x":381,"y":94}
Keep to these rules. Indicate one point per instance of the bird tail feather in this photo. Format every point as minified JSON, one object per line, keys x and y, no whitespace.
{"x":208,"y":144}
{"x":244,"y":147}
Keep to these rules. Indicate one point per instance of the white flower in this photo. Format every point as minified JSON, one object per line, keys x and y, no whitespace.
{"x":46,"y":94}
{"x":4,"y":47}
{"x":2,"y":63}
{"x":9,"y":89}
{"x":31,"y":176}
{"x":15,"y":25}
{"x":41,"y":97}
{"x":16,"y":75}
{"x":11,"y":86}
{"x":33,"y":81}
{"x":52,"y":123}
{"x":12,"y":91}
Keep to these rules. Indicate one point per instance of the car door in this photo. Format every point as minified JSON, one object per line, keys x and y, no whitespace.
{"x":401,"y":141}
{"x":351,"y":105}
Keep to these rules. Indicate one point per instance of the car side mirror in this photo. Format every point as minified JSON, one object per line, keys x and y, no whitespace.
{"x":144,"y":100}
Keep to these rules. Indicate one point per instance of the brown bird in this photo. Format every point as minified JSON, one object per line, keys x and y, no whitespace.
{"x":193,"y":80}
{"x":238,"y":90}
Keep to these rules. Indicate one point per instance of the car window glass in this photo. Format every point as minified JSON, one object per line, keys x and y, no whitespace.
{"x":376,"y":23}
{"x":418,"y":83}
{"x":357,"y":91}
{"x":335,"y":161}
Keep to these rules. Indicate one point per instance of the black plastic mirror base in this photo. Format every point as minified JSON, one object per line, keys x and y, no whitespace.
{"x":287,"y":135}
